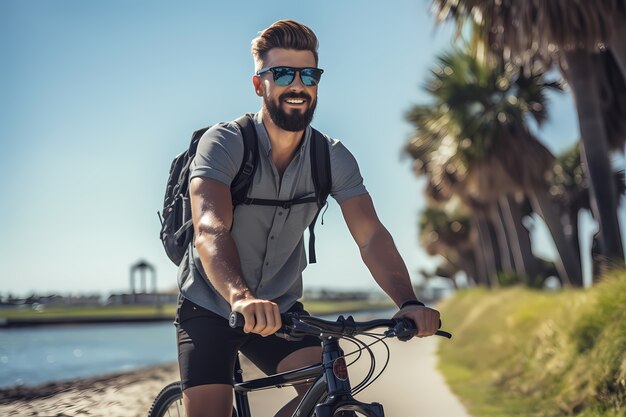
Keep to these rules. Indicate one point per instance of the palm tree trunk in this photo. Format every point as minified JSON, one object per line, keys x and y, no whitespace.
{"x":618,"y":46}
{"x":488,"y":250}
{"x":501,"y":238}
{"x":506,"y":236}
{"x":572,"y":215}
{"x":481,"y":266}
{"x":491,"y":229}
{"x":567,"y":263}
{"x":595,"y":153}
{"x":519,"y":238}
{"x":469,"y":265}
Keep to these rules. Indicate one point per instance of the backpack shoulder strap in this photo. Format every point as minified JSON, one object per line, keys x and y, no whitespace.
{"x":320,"y":166}
{"x":187,"y":157}
{"x":241,"y":183}
{"x":195,"y":138}
{"x":322,"y":180}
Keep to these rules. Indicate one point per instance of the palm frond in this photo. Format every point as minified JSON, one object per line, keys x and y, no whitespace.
{"x":531,"y":33}
{"x":478,"y":118}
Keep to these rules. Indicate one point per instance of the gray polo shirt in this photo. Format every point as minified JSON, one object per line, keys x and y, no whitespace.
{"x":269,"y":239}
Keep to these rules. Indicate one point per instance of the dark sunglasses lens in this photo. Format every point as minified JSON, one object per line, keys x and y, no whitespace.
{"x":283,"y":75}
{"x":310,"y":76}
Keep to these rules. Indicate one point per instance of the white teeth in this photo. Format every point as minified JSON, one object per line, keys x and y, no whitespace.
{"x":294,"y":101}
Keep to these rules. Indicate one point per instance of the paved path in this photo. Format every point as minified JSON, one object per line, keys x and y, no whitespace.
{"x":411,"y":386}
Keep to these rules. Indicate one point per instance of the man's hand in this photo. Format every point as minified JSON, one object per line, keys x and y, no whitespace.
{"x":426,"y":319}
{"x":261,"y":316}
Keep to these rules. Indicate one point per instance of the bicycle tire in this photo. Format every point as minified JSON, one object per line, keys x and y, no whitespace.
{"x":316,"y":394}
{"x":169,"y":402}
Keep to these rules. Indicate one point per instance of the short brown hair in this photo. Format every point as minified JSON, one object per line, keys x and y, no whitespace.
{"x":287,"y":34}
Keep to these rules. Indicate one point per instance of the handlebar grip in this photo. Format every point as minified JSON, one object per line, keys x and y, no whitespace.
{"x":405,"y":330}
{"x":443,"y":334}
{"x":236,"y":320}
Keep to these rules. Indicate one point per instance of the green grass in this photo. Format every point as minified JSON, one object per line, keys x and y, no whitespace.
{"x":520,"y":352}
{"x":313,"y":306}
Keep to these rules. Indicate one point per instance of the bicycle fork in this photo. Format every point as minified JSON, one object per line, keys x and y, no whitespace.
{"x":339,"y":396}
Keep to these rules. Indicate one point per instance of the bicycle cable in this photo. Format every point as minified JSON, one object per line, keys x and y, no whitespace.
{"x":363,"y":346}
{"x":368,"y":380}
{"x":360,"y":347}
{"x":358,"y":350}
{"x":383,"y":368}
{"x":371,"y":379}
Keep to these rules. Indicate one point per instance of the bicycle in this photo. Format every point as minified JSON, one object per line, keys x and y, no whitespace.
{"x":330,"y":394}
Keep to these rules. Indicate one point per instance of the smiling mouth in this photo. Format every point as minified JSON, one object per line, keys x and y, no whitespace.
{"x":295,"y":101}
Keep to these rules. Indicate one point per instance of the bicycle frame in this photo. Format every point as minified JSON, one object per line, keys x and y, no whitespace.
{"x":329,"y":393}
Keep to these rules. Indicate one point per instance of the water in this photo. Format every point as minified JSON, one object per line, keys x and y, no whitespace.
{"x":36,"y":355}
{"x":32,"y":356}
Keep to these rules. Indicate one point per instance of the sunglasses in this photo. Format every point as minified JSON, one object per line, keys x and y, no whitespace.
{"x":284,"y":76}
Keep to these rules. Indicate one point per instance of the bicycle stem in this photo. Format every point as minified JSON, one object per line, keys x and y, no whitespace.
{"x":338,"y":382}
{"x":334,"y":366}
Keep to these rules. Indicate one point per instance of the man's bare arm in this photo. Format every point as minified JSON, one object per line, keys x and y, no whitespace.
{"x":212,"y":214}
{"x":384,"y":261}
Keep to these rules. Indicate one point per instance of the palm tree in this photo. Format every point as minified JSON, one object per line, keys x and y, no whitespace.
{"x":536,"y":34}
{"x":483,"y":267}
{"x":450,"y":230}
{"x":443,"y":186}
{"x":475,"y":142}
{"x":571,"y":190}
{"x":450,"y":235}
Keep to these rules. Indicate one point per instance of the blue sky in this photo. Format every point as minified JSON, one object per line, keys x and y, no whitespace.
{"x":99,"y":96}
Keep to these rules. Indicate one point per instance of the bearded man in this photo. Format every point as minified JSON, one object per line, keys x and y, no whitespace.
{"x":250,"y":258}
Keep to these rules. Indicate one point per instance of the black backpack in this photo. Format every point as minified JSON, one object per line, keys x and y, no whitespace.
{"x":176,"y":224}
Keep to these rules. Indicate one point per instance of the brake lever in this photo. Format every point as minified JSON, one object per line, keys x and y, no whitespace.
{"x":289,"y":337}
{"x":302,"y":328}
{"x":404,"y":330}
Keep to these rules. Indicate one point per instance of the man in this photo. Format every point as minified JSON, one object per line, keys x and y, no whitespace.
{"x":251,"y":259}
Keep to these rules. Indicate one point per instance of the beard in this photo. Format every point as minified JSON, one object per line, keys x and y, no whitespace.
{"x":294,"y":121}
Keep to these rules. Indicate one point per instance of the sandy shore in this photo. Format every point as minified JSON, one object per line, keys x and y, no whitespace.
{"x":410,"y":386}
{"x":117,"y":395}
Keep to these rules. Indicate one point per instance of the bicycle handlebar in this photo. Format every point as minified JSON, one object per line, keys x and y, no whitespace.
{"x":295,"y":326}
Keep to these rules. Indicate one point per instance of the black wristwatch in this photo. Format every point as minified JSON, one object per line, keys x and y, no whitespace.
{"x":412,"y":303}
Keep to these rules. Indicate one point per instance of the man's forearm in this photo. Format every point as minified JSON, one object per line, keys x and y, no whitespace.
{"x":387,"y":267}
{"x":221,"y":263}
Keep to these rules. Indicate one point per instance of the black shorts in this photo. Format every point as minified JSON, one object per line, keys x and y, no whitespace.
{"x":208,"y":346}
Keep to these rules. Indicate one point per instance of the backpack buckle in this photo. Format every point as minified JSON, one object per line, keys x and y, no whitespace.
{"x":286,"y":205}
{"x":247,"y":170}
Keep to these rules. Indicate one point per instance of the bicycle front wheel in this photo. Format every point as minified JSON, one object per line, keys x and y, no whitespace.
{"x":169,"y":402}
